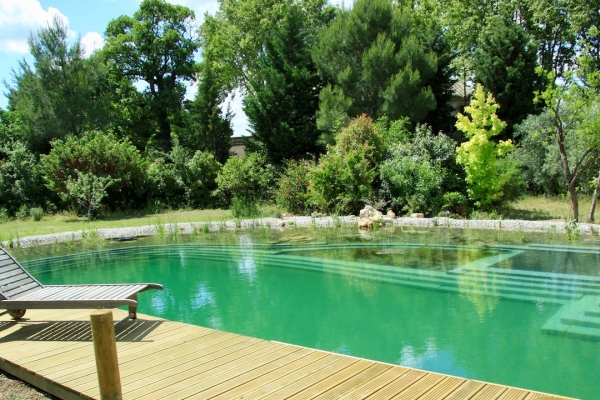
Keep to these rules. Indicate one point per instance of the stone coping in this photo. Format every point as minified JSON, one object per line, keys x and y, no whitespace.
{"x":188,"y":228}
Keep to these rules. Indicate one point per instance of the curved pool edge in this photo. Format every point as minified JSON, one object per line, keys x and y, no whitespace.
{"x":557,"y":227}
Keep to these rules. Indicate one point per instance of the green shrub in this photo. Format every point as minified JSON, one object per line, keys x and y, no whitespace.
{"x":103,"y":156}
{"x":292,"y":193}
{"x":183,"y":179}
{"x":87,"y":191}
{"x":411,"y":182}
{"x":21,"y":182}
{"x":344,"y":177}
{"x":248,"y":179}
{"x":198,"y":175}
{"x":37,"y":213}
{"x":420,"y":167}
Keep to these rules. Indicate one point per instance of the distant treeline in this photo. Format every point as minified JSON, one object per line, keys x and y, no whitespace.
{"x":346,"y":106}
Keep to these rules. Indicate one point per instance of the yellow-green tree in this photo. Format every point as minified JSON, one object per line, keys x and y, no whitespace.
{"x":490,"y":178}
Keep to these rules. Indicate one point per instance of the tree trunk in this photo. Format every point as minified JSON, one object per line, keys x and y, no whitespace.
{"x":574,"y":201}
{"x":594,"y":200}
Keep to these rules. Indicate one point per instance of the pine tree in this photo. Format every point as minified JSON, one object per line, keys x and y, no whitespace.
{"x":207,"y":127}
{"x":505,"y":63}
{"x":282,"y":105}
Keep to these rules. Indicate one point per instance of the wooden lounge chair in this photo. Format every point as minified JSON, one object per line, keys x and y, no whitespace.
{"x":20,"y":291}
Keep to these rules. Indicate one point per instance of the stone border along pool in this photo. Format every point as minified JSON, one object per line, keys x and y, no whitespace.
{"x":188,"y":228}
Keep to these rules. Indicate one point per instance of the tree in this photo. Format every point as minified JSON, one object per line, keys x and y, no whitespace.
{"x":377,"y":64}
{"x":489,"y":181}
{"x":205,"y":126}
{"x":157,"y":46}
{"x":504,"y":63}
{"x":282,"y":105}
{"x":576,"y":121}
{"x":236,"y":34}
{"x":61,"y":94}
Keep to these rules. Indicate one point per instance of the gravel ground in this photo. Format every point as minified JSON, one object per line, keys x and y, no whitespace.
{"x":12,"y":388}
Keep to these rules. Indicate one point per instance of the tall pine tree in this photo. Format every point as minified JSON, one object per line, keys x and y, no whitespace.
{"x":207,"y":127}
{"x":282,"y":106}
{"x":380,"y":61}
{"x":505,"y":62}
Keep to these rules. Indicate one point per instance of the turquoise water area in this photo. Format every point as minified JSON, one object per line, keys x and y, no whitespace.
{"x":521,"y":316}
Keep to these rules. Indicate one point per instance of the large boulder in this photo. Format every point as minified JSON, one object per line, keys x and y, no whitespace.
{"x":371,"y":213}
{"x":368,"y":216}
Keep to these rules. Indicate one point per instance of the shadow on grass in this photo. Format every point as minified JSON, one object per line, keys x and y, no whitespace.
{"x":527,"y":215}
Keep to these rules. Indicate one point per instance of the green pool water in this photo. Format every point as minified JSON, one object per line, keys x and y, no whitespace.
{"x":519,"y":316}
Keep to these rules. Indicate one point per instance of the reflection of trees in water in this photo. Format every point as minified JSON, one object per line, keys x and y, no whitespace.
{"x":479,"y":287}
{"x":559,"y":262}
{"x":429,"y":258}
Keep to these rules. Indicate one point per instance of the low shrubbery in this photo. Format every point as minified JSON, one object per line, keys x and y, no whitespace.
{"x":391,"y":165}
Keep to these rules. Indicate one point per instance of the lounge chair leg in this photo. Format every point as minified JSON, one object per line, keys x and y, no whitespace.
{"x":133,"y":309}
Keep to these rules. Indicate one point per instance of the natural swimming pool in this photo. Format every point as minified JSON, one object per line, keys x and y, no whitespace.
{"x":525,"y":316}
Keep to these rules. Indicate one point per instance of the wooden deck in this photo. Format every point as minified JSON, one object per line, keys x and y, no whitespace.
{"x":161,"y":359}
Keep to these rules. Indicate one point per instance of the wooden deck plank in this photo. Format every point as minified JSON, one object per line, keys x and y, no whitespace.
{"x":290,"y":375}
{"x":176,"y":378}
{"x":333,"y":380}
{"x":513,"y":394}
{"x":148,"y":376}
{"x":232,"y":378}
{"x":443,"y":389}
{"x":240,"y":390}
{"x":467,"y":390}
{"x":73,"y":353}
{"x":489,"y":392}
{"x":368,"y":388}
{"x":398,"y":385}
{"x":164,"y":359}
{"x":366,"y":375}
{"x":80,"y":363}
{"x":339,"y":364}
{"x":136,"y":363}
{"x":420,"y":387}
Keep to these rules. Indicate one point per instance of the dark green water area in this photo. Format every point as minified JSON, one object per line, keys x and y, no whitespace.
{"x":523,"y":313}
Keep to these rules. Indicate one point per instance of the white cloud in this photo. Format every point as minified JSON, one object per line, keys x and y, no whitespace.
{"x":20,"y":17}
{"x":92,"y":41}
{"x":198,"y":6}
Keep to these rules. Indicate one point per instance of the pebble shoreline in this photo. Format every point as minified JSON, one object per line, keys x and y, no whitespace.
{"x":188,"y":228}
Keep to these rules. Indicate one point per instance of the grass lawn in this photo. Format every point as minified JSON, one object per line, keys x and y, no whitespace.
{"x":549,"y":208}
{"x":528,"y":208}
{"x":57,"y":223}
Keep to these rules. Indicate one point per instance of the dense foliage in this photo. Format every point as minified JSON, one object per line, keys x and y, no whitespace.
{"x":491,"y":178}
{"x":346,"y":106}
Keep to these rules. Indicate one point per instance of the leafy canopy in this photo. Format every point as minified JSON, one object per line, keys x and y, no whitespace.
{"x":157,"y":46}
{"x":378,"y":62}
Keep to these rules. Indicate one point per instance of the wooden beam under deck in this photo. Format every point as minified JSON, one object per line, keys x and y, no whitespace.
{"x":160,"y":359}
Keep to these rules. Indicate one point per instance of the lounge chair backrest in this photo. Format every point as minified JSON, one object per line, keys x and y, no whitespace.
{"x":14,"y":280}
